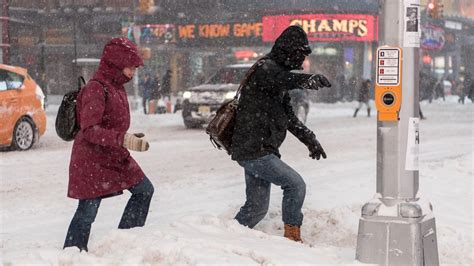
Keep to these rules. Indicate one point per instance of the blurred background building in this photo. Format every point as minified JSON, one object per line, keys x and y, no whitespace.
{"x":195,"y":38}
{"x":448,"y":38}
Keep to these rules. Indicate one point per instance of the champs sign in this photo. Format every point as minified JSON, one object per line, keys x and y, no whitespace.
{"x":324,"y":27}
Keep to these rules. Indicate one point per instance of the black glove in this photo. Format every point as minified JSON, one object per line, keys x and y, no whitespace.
{"x":316,"y":150}
{"x":315,"y":82}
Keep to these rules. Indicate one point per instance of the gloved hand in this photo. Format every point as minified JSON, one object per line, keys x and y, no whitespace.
{"x":316,"y":150}
{"x":135,"y":142}
{"x":315,"y":82}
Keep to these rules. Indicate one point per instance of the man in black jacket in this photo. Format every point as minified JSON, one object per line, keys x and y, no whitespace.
{"x":264,"y":114}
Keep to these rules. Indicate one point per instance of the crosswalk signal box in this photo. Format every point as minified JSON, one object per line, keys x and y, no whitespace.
{"x":388,"y":85}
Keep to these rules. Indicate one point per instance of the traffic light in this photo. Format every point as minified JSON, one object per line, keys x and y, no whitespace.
{"x":146,"y":6}
{"x":434,"y":9}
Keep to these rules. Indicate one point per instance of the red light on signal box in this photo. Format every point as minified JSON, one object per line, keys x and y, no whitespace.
{"x":426,"y":59}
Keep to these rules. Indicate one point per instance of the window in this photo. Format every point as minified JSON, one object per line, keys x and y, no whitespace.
{"x":10,"y":80}
{"x":3,"y":80}
{"x":3,"y":85}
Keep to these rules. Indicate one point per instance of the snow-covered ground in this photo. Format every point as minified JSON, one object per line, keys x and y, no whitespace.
{"x":198,"y":190}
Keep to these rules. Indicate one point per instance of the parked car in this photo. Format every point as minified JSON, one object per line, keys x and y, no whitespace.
{"x":22,"y":115}
{"x":200,"y":103}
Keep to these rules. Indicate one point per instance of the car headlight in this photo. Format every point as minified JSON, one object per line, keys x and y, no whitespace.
{"x":187,"y":95}
{"x":230,"y":95}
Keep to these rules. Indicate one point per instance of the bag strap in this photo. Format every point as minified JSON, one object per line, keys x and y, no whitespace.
{"x":214,"y":143}
{"x":103,"y":86}
{"x":80,"y":82}
{"x":249,"y":73}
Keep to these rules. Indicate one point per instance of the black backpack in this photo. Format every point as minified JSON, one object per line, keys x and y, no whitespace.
{"x":66,"y":124}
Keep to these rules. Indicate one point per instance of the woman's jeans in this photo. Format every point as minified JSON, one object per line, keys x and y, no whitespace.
{"x":134,"y":215}
{"x":259,"y":175}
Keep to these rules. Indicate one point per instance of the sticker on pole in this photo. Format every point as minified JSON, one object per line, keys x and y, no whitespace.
{"x":388,"y":66}
{"x":413,"y":145}
{"x":412,"y":32}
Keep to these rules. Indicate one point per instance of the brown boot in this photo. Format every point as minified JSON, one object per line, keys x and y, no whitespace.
{"x":293,"y":232}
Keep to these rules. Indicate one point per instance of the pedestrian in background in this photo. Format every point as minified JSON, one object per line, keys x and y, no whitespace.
{"x":465,"y":88}
{"x":426,"y":85}
{"x":364,"y":95}
{"x":166,"y":84}
{"x":157,"y":86}
{"x":147,"y":86}
{"x":154,"y":87}
{"x":351,"y":87}
{"x":101,"y":165}
{"x":439,"y":89}
{"x":264,"y":114}
{"x":470,"y":88}
{"x":340,"y":87}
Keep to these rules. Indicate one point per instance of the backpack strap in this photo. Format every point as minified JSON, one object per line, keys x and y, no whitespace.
{"x":103,"y":86}
{"x":80,"y":82}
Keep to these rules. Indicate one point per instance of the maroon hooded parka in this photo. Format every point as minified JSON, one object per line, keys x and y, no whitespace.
{"x":99,"y":165}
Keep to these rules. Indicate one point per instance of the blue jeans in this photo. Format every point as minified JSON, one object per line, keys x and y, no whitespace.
{"x":134,"y":215}
{"x":259,"y":175}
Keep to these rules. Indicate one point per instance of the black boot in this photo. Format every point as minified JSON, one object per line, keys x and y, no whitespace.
{"x":368,"y":112}
{"x":355,"y":112}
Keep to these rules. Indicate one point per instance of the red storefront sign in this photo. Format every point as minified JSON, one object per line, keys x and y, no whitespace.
{"x":324,"y":27}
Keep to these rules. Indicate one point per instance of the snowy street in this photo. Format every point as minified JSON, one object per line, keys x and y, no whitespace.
{"x":198,"y":190}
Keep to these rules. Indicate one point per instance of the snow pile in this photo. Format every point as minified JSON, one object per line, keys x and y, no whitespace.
{"x":198,"y":190}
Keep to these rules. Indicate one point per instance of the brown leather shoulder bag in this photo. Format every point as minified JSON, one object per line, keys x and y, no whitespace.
{"x":221,"y":127}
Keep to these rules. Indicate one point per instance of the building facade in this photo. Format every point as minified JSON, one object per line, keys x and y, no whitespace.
{"x":203,"y":37}
{"x":191,"y":38}
{"x":447,"y":41}
{"x":195,"y":38}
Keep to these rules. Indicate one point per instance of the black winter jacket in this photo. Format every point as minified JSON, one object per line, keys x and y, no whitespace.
{"x":264,"y":113}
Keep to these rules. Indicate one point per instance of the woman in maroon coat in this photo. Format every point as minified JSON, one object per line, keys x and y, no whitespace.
{"x":101,"y":165}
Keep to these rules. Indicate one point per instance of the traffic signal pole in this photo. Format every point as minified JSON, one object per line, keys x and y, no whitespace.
{"x":397,"y":226}
{"x":4,"y":30}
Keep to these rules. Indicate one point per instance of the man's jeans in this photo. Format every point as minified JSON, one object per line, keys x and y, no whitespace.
{"x":259,"y":175}
{"x":134,"y":215}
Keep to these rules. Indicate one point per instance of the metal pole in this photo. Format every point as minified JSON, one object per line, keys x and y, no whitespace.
{"x":136,"y":78}
{"x":74,"y":67}
{"x":396,"y":226}
{"x":5,"y":46}
{"x":42,"y":72}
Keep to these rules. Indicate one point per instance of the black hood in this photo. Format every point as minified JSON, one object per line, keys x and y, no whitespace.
{"x":291,"y":48}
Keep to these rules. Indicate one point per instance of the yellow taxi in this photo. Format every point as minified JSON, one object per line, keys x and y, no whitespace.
{"x":22,"y":115}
